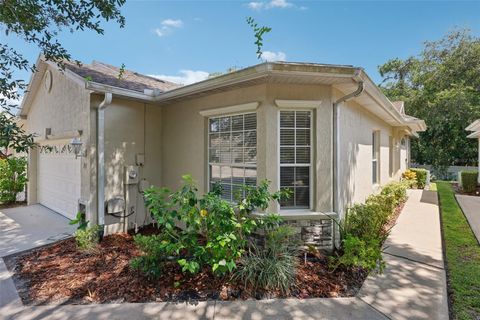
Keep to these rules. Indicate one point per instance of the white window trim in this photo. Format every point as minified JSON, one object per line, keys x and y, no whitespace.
{"x":310,"y":209}
{"x":295,"y":104}
{"x":229,"y":110}
{"x":244,"y":165}
{"x":377,"y":148}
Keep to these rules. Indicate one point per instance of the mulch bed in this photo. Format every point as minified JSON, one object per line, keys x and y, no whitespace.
{"x":12,"y":205}
{"x":59,"y":273}
{"x":458,"y":190}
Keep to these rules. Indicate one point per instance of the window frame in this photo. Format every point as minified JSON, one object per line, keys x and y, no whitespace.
{"x":231,"y":164}
{"x":310,"y":165}
{"x":376,"y":136}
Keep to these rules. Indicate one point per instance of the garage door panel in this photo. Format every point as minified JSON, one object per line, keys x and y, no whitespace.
{"x":59,"y":181}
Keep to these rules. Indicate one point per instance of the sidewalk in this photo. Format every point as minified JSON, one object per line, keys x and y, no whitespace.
{"x":471,"y":208}
{"x":412,"y":287}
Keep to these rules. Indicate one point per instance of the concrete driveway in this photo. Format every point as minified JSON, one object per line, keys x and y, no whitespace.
{"x":27,"y":227}
{"x":471,"y":208}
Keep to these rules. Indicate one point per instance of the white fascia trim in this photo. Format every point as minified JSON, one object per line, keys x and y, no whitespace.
{"x":474,"y":126}
{"x":474,"y":135}
{"x":239,"y":108}
{"x":305,"y":104}
{"x":103,"y":88}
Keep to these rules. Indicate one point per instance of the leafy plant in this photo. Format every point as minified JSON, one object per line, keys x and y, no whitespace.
{"x":272,"y":267}
{"x":12,"y":136}
{"x":397,"y":189}
{"x":410,"y":178}
{"x":469,"y":180}
{"x":13,"y":177}
{"x":87,"y":238}
{"x":213,"y":231}
{"x":361,"y":253}
{"x":80,"y":220}
{"x":421,"y":176}
{"x":258,"y":33}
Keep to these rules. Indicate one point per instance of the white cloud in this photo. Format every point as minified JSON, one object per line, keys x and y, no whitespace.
{"x":167,"y":27}
{"x":172,"y":23}
{"x":259,"y":5}
{"x":273,"y":56}
{"x":185,"y":76}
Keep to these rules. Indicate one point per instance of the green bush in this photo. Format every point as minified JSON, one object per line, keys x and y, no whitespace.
{"x":421,"y":175}
{"x":397,"y":189}
{"x":87,"y":238}
{"x":214,"y":231}
{"x":151,"y":263}
{"x":469,"y":180}
{"x":361,"y":253}
{"x":272,"y":267}
{"x":13,"y":177}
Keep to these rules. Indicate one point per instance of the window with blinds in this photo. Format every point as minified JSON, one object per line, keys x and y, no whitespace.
{"x":375,"y":157}
{"x":232,"y":153}
{"x":295,"y":157}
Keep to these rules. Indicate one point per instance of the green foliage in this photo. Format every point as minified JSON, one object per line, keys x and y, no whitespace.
{"x":80,"y":220}
{"x":121,"y":71}
{"x":272,"y":267}
{"x":258,"y":33}
{"x":469,"y":180}
{"x":363,"y":231}
{"x":440,"y":85}
{"x":214,"y":231}
{"x":12,"y":136}
{"x":361,"y":253}
{"x":13,"y":177}
{"x":152,"y":261}
{"x":87,"y":238}
{"x":39,"y":23}
{"x":421,"y":177}
{"x":462,"y":256}
{"x":410,"y":178}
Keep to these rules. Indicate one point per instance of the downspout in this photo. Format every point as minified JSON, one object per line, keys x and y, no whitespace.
{"x":101,"y":159}
{"x":335,"y":149}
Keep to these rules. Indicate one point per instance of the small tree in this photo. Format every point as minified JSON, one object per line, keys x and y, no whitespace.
{"x":13,"y":137}
{"x":13,"y":177}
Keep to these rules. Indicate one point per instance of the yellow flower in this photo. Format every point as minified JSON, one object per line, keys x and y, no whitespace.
{"x":203,"y":213}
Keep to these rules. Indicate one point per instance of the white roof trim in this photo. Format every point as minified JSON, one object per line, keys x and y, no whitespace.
{"x":239,"y":108}
{"x":307,"y":104}
{"x":474,"y":126}
{"x":474,"y":135}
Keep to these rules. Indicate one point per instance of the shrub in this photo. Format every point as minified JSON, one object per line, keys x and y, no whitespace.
{"x":421,"y":177}
{"x":151,"y":263}
{"x":13,"y":177}
{"x":361,"y":253}
{"x":87,"y":238}
{"x":397,"y":189}
{"x":272,"y":267}
{"x":214,"y":231}
{"x":469,"y":180}
{"x":410,"y":178}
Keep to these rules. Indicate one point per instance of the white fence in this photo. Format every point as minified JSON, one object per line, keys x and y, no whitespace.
{"x":449,"y":173}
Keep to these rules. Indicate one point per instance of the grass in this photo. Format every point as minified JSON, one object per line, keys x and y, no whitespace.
{"x":463,"y":256}
{"x":433,"y":186}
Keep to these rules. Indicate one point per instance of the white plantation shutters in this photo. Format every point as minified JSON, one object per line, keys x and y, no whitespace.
{"x":232,"y":149}
{"x":375,"y":157}
{"x":295,"y":157}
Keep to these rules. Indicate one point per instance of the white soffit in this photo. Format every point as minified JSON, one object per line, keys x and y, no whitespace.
{"x":308,"y":104}
{"x":239,"y":108}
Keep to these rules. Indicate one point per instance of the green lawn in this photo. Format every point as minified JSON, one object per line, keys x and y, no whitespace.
{"x":463,"y":256}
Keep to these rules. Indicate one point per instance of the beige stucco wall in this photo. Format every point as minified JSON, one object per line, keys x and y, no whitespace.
{"x":63,"y":109}
{"x":356,"y":126}
{"x":131,"y":128}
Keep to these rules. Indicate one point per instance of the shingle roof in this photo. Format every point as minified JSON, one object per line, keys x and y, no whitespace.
{"x":107,"y":74}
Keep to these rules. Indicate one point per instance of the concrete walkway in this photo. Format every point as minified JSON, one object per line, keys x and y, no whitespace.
{"x":471,"y":208}
{"x":27,"y":227}
{"x":412,"y":287}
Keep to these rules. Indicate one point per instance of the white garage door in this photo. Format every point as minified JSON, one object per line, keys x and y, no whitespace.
{"x":59,"y":180}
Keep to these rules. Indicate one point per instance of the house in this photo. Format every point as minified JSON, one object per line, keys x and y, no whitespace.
{"x":474,"y":127}
{"x":327,"y":132}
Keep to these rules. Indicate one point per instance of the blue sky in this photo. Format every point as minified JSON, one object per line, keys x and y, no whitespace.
{"x":198,"y":37}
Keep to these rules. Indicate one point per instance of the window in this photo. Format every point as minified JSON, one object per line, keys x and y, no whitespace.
{"x":375,"y":157}
{"x":232,"y":153}
{"x":295,"y":157}
{"x":391,"y":151}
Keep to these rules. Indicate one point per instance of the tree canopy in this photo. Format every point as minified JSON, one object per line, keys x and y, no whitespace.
{"x":442,"y":86}
{"x":39,"y":22}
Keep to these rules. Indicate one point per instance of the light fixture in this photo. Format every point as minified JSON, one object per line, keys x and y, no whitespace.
{"x":76,"y":144}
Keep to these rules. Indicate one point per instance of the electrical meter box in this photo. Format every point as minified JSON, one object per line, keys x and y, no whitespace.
{"x":131,"y":175}
{"x":116,"y":205}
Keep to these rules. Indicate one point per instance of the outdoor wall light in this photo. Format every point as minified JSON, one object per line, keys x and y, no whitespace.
{"x":76,"y":144}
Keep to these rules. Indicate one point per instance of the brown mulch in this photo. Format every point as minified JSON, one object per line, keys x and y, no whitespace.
{"x":12,"y":205}
{"x":459,"y":190}
{"x":60,"y":273}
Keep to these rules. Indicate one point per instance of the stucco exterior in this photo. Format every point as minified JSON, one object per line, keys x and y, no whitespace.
{"x":171,"y":139}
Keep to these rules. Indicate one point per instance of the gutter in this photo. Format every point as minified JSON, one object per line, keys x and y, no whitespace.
{"x":335,"y":150}
{"x":101,"y":159}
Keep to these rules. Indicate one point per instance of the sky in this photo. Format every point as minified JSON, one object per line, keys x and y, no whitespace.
{"x":184,"y":41}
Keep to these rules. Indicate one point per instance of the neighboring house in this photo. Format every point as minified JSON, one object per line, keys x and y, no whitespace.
{"x":325,"y":131}
{"x":475,"y":128}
